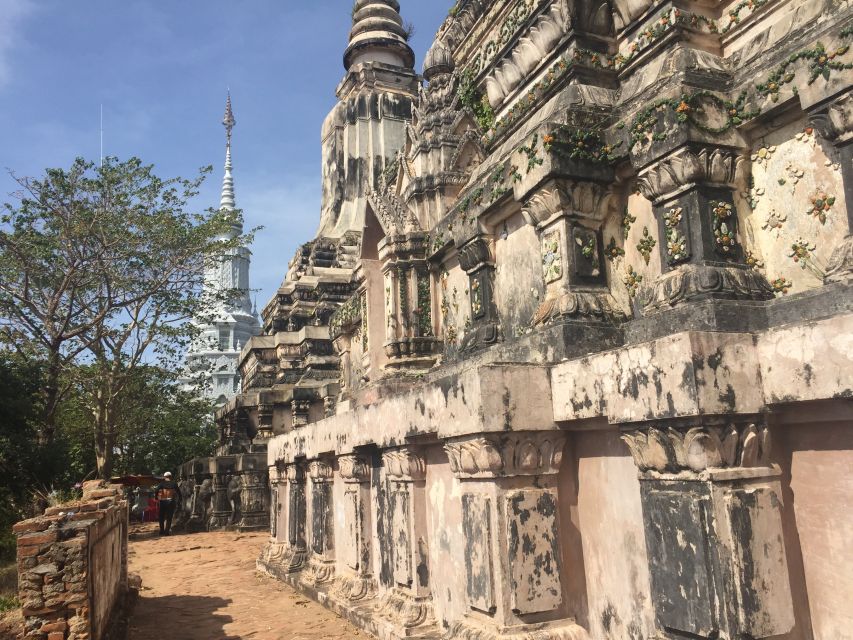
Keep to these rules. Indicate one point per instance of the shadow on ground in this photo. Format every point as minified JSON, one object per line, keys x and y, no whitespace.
{"x":176,"y":617}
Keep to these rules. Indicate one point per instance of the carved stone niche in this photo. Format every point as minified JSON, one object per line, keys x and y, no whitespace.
{"x":692,"y":193}
{"x":568,"y":216}
{"x":406,"y":609}
{"x":834,"y":123}
{"x":510,"y":508}
{"x":477,"y":260}
{"x":712,"y":514}
{"x":282,"y":557}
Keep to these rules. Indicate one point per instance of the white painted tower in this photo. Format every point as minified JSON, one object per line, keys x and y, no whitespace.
{"x":217,"y":349}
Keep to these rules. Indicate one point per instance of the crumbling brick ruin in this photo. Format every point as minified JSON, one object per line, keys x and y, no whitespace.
{"x":570,"y":354}
{"x":72,"y":566}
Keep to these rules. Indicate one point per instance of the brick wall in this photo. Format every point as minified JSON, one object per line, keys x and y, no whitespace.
{"x":72,"y":566}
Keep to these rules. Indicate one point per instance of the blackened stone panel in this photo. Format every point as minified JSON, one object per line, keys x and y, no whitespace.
{"x":476,"y":524}
{"x":534,"y":556}
{"x":677,"y":540}
{"x":352,"y":518}
{"x":296,"y":519}
{"x":402,"y":543}
{"x":761,"y":580}
{"x":321,"y":521}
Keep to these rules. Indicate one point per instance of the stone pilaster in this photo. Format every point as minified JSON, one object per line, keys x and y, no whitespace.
{"x":254,"y":496}
{"x":691,"y":189}
{"x":568,"y":215}
{"x":406,"y":609}
{"x":354,"y":582}
{"x":834,"y":123}
{"x":712,"y":505}
{"x":510,"y":507}
{"x":287,"y":551}
{"x":321,"y":564}
{"x":221,"y":508}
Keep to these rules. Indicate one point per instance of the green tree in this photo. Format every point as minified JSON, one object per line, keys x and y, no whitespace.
{"x":104,"y":266}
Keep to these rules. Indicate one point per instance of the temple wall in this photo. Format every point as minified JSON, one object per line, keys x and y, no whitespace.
{"x":815,"y":450}
{"x":609,"y":522}
{"x":601,"y":391}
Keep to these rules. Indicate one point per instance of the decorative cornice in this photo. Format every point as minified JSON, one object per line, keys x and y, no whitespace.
{"x":295,"y":473}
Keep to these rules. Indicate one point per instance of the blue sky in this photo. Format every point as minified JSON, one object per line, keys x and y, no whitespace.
{"x":160,"y":68}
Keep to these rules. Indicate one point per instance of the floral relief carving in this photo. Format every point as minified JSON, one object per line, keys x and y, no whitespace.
{"x":646,"y":244}
{"x":700,"y":448}
{"x":404,"y":464}
{"x":552,"y":263}
{"x":522,"y":453}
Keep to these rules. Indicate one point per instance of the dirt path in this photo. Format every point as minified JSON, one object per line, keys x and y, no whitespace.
{"x":205,"y":587}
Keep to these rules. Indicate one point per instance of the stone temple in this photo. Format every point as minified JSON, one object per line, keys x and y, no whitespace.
{"x":570,"y":354}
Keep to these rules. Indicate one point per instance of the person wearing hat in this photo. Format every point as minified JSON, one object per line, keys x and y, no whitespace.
{"x":167,"y":494}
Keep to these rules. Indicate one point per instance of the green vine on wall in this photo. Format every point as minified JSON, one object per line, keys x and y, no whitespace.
{"x":821,"y":64}
{"x":686,"y":108}
{"x":581,"y":144}
{"x":470,"y":96}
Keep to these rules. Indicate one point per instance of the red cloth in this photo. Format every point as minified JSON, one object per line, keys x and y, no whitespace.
{"x":152,"y":512}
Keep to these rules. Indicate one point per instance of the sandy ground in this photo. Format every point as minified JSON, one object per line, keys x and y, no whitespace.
{"x":204,"y":586}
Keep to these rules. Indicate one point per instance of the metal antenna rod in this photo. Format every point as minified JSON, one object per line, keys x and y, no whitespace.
{"x":102,"y":135}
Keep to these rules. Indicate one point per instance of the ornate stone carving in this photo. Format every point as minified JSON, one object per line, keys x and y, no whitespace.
{"x":515,"y":454}
{"x":295,"y":473}
{"x":353,"y":588}
{"x":584,"y":199}
{"x":471,"y":629}
{"x":354,"y":469}
{"x":406,"y":610}
{"x":476,"y":253}
{"x":320,"y":471}
{"x":404,"y":465}
{"x":689,"y":282}
{"x":840,"y":265}
{"x":699,"y":448}
{"x":835,"y":122}
{"x":578,"y":304}
{"x":689,"y":165}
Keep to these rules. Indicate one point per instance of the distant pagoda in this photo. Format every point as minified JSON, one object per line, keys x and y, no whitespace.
{"x":216,"y":350}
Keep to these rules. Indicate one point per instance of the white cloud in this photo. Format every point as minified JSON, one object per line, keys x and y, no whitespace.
{"x":12,"y":14}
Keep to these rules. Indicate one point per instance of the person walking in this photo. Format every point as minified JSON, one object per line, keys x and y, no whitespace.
{"x":167,"y":494}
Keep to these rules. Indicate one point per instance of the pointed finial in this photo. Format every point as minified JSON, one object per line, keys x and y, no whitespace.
{"x":228,"y":120}
{"x":227,"y":199}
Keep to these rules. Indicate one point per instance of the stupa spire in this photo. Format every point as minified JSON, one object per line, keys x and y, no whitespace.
{"x":227,"y":200}
{"x":378,"y":35}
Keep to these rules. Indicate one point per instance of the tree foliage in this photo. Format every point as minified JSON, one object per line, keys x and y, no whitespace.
{"x":101,"y":267}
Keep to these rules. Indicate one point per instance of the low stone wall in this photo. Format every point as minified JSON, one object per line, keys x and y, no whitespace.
{"x":72,"y":566}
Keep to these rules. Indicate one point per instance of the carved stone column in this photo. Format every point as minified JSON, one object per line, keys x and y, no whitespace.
{"x":254,"y":493}
{"x":321,"y":565}
{"x":568,"y":215}
{"x":691,"y":190}
{"x":712,"y":506}
{"x":834,"y":123}
{"x":276,"y":548}
{"x":221,"y":511}
{"x":287,"y":550}
{"x":477,"y":260}
{"x":355,"y":583}
{"x":406,"y":609}
{"x":510,"y":512}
